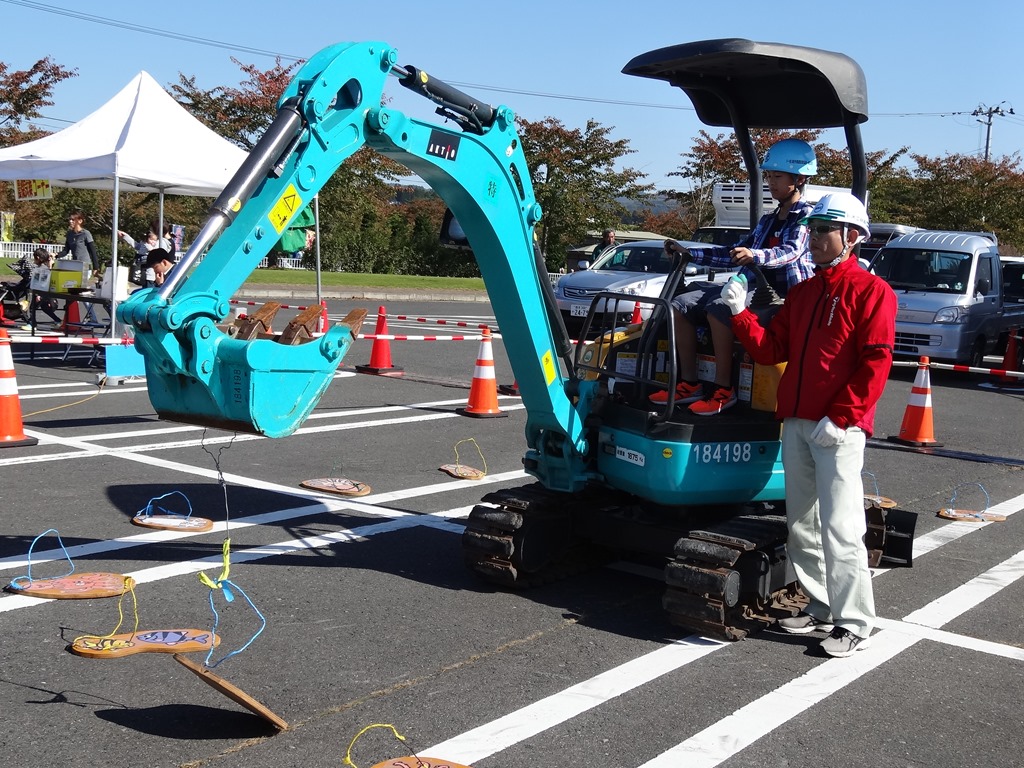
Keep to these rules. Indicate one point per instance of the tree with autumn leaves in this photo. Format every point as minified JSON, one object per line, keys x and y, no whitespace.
{"x":371,"y":222}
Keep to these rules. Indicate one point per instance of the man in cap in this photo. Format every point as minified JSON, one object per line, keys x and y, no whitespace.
{"x":835,"y":332}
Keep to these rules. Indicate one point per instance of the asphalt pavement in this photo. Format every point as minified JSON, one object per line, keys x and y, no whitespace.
{"x":371,"y":617}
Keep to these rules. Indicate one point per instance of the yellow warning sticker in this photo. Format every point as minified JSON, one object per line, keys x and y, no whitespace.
{"x":548,"y":363}
{"x":285,"y":208}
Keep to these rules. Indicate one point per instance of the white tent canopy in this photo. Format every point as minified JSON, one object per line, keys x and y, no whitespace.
{"x":141,"y":140}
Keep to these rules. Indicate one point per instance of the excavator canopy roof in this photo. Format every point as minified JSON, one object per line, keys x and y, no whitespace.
{"x":769,"y":85}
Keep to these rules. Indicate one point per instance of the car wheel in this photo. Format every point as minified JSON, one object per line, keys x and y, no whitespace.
{"x":977,"y":357}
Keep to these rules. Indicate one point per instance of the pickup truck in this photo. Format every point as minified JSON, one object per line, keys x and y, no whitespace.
{"x":957,"y":299}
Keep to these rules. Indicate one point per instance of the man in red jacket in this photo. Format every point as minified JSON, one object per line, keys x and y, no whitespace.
{"x":836,"y":333}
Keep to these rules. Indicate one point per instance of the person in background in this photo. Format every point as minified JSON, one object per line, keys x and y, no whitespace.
{"x":778,"y":245}
{"x":142,"y":247}
{"x":78,"y":243}
{"x":41,"y":272}
{"x":836,"y":332}
{"x":607,"y":241}
{"x":159,"y":261}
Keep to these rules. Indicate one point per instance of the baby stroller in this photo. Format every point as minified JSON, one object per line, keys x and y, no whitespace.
{"x":14,"y":297}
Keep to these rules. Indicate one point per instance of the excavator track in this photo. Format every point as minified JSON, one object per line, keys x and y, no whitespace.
{"x":728,"y":580}
{"x":523,"y":537}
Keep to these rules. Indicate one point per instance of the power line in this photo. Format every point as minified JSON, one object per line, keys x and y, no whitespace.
{"x":105,"y":21}
{"x":68,"y":13}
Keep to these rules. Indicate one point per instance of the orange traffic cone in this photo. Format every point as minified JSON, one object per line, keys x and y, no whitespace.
{"x":1010,"y":358}
{"x":636,"y":314}
{"x":917,"y":429}
{"x":12,"y":432}
{"x":325,"y":322}
{"x":483,"y":392}
{"x":71,"y":318}
{"x":380,"y":353}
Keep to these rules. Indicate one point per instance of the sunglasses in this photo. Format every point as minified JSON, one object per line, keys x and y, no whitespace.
{"x":823,"y":229}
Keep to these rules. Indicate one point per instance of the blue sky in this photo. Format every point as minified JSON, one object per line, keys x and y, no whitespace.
{"x":928,"y":66}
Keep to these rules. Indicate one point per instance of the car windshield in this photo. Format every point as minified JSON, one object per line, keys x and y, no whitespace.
{"x":632,"y":258}
{"x":921,"y":270}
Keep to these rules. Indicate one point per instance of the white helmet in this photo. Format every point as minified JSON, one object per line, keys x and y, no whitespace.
{"x":843,"y":207}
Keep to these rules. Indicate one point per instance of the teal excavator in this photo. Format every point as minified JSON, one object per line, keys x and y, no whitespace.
{"x":614,"y":475}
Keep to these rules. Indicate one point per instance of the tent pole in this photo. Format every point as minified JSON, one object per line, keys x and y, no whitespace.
{"x":316,"y":225}
{"x":113,"y":261}
{"x":160,"y":234}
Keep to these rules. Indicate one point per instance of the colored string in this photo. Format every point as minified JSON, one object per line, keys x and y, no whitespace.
{"x":223,"y":582}
{"x":988,"y":500}
{"x":400,"y":737}
{"x":128,"y":586}
{"x":148,"y":509}
{"x":873,"y":480}
{"x":28,"y":574}
{"x":475,"y":445}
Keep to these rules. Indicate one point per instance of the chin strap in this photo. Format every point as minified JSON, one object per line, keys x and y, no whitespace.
{"x":846,"y":248}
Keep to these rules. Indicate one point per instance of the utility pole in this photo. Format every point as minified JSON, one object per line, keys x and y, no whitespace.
{"x":988,"y":113}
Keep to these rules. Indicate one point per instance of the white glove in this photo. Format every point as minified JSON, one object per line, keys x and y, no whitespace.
{"x":827,"y":434}
{"x":734,"y":295}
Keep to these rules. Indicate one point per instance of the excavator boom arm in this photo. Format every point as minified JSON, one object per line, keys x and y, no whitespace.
{"x":199,"y":373}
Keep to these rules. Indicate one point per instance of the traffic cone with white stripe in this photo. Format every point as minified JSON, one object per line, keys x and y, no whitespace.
{"x":12,"y":431}
{"x":380,"y":352}
{"x":637,"y":317}
{"x":483,"y":391}
{"x":917,"y":429}
{"x":325,"y":322}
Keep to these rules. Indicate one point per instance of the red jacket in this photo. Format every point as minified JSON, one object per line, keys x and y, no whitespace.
{"x":836,"y":333}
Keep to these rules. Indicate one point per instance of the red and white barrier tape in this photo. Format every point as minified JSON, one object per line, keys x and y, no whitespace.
{"x":393,"y":337}
{"x":87,"y":340}
{"x":456,"y":323}
{"x":960,"y":368}
{"x":261,"y":303}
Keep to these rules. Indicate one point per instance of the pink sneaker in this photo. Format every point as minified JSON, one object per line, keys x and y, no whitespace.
{"x":685,"y":393}
{"x":724,"y":397}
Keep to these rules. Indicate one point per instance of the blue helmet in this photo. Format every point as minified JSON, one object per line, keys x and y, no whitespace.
{"x":791,"y":156}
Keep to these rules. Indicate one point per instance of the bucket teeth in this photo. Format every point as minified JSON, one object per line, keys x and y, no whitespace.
{"x":257,"y":325}
{"x":302,"y":327}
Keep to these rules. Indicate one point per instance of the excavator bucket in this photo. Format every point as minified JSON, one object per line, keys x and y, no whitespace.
{"x":242,"y":377}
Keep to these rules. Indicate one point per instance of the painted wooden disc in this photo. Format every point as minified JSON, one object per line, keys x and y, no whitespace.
{"x":419,"y":762}
{"x":339,"y":485}
{"x":173,"y":522}
{"x":148,"y":641}
{"x":235,"y":694}
{"x":74,"y":586}
{"x":462,"y":472}
{"x":880,"y":501}
{"x":971,"y":517}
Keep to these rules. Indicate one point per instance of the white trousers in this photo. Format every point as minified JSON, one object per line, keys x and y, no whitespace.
{"x":825,"y":512}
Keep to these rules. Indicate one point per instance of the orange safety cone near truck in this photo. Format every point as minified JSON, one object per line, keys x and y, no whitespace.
{"x":380,"y":353}
{"x":1010,"y":361}
{"x":325,"y":322}
{"x":483,"y":391}
{"x":12,"y":431}
{"x":917,"y":429}
{"x":637,"y":317}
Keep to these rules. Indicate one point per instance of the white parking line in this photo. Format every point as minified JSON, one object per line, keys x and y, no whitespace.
{"x":729,"y":736}
{"x":739,"y":730}
{"x":88,"y":450}
{"x":373,"y":505}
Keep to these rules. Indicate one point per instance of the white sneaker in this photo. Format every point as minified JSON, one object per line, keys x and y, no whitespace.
{"x":842,"y":643}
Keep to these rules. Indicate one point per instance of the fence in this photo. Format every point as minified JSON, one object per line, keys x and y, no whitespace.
{"x":15,"y":251}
